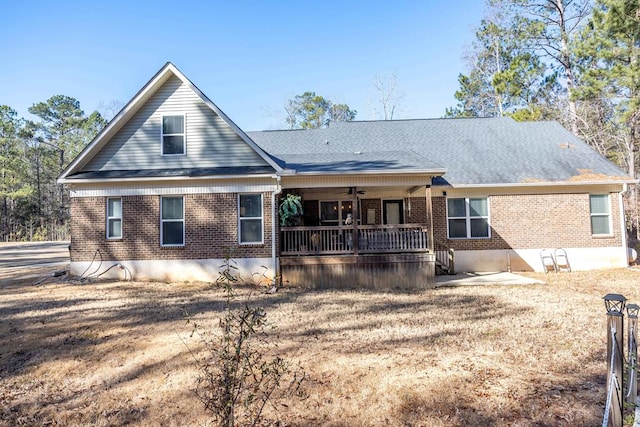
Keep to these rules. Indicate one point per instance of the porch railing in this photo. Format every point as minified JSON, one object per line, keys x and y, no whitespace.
{"x":444,"y":257}
{"x":328,"y":240}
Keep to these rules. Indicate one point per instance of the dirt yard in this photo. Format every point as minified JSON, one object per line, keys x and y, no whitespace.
{"x":116,"y":353}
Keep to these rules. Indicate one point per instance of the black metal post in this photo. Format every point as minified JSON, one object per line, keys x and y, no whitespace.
{"x":632,"y":353}
{"x":614,"y":304}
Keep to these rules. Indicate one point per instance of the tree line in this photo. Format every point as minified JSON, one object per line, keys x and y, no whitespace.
{"x":33,"y":153}
{"x":573,"y":61}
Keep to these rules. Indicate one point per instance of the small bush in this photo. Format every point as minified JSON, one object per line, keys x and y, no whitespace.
{"x":237,"y":380}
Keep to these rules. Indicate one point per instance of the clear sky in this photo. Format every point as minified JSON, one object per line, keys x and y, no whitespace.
{"x":248,"y":57}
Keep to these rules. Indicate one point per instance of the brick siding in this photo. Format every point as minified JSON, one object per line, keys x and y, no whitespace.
{"x":531,"y":221}
{"x":211,"y":229}
{"x":418,"y":213}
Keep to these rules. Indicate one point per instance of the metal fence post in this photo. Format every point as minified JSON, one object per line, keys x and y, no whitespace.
{"x":632,"y":353}
{"x":614,"y":303}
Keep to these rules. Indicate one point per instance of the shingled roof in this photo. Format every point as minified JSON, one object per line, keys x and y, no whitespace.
{"x":472,"y":151}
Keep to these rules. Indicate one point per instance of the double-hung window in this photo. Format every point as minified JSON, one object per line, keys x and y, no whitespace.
{"x":250,"y":218}
{"x":600,"y":214}
{"x":114,"y":218}
{"x":173,"y":135}
{"x":468,"y":218}
{"x":172,"y":221}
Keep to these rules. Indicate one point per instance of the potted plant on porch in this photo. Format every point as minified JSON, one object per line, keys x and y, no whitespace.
{"x":290,"y":210}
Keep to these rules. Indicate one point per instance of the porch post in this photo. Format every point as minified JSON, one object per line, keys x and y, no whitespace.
{"x":429,"y":218}
{"x":354,"y":211}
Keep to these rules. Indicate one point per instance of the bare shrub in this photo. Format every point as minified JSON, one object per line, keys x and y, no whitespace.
{"x":237,"y":379}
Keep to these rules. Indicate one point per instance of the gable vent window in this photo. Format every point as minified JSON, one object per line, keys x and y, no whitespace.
{"x":173,"y":135}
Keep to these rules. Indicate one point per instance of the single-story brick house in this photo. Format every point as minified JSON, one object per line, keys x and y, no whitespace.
{"x":171,"y":186}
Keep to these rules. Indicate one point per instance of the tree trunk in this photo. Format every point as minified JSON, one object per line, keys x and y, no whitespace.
{"x":568,"y":67}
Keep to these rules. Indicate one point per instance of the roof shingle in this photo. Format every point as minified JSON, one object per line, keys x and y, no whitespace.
{"x":475,"y":151}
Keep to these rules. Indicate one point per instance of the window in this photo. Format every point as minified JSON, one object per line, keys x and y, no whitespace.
{"x":336,"y":212}
{"x":250,"y":218}
{"x":329,"y":213}
{"x":600,"y":214}
{"x":114,"y":218}
{"x":468,"y":218}
{"x":172,"y":221}
{"x":173,"y":135}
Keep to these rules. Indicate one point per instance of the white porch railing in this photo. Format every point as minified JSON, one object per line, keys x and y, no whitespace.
{"x":328,"y":240}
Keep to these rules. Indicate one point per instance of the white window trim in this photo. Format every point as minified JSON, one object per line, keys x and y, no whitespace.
{"x":608,"y":215}
{"x":184,"y":134}
{"x":241,"y":218}
{"x":162,"y":221}
{"x":468,"y":218}
{"x":108,"y":218}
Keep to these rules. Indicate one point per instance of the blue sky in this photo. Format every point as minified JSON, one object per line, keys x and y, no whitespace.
{"x":248,"y":57}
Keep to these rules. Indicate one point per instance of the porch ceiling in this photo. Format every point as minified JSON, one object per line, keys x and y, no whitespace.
{"x":365,"y":192}
{"x":367,"y":183}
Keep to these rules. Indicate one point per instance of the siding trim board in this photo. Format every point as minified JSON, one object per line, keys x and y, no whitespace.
{"x":153,"y":190}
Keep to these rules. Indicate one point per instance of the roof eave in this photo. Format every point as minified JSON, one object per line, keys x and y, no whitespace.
{"x":430,"y":172}
{"x":541,"y":184}
{"x":162,"y":178}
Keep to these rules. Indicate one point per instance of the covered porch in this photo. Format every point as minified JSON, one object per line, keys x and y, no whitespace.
{"x":363,"y":237}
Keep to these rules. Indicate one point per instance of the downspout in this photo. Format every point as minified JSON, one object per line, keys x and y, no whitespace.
{"x":623,"y":224}
{"x":274,"y":231}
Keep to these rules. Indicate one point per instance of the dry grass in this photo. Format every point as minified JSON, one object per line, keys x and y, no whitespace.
{"x":114,"y":353}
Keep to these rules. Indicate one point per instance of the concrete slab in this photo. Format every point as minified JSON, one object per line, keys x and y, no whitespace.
{"x":475,"y":279}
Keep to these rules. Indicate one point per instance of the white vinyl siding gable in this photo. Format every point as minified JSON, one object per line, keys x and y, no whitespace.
{"x":211,"y":142}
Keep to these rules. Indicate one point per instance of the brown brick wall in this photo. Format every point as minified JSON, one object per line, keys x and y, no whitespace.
{"x":365,"y":205}
{"x":211,"y":228}
{"x":531,"y":221}
{"x":418,"y":213}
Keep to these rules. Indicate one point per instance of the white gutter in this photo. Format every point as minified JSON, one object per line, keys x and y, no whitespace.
{"x":274,"y":229}
{"x":623,"y":224}
{"x":539,"y":184}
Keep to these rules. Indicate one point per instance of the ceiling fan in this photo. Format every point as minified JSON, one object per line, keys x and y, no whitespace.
{"x":349,"y":192}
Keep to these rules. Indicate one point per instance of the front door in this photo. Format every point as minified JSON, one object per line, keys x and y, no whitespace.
{"x":393,"y":212}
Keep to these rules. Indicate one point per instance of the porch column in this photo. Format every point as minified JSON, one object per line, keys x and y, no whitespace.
{"x":354,"y":212}
{"x":429,"y":218}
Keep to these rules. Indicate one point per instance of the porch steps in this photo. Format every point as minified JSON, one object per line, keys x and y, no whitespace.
{"x":442,"y":270}
{"x":445,"y":258}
